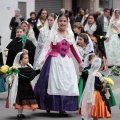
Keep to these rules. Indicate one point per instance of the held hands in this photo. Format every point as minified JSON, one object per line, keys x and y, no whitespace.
{"x":81,"y":67}
{"x":104,"y":88}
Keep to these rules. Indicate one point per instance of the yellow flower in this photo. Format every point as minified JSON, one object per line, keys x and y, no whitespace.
{"x":101,"y":37}
{"x":4,"y":69}
{"x":10,"y":68}
{"x":14,"y":67}
{"x":109,"y":81}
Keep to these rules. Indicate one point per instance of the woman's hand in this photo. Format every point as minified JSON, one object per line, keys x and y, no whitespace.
{"x":107,"y":40}
{"x":24,"y":50}
{"x":81,"y":68}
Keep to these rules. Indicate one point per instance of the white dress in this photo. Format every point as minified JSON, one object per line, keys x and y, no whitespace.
{"x":112,"y":47}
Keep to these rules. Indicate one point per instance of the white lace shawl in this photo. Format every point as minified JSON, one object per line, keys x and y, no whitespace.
{"x":109,"y":31}
{"x":90,"y":29}
{"x":43,"y":37}
{"x":55,"y":37}
{"x":87,"y":100}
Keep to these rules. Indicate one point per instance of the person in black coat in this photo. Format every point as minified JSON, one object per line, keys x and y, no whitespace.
{"x":79,"y":18}
{"x":20,"y":44}
{"x":32,"y":20}
{"x":15,"y":22}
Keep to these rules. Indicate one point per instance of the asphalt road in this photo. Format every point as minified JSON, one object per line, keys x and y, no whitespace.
{"x":10,"y":114}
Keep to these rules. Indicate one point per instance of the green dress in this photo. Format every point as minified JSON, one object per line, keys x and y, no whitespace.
{"x":81,"y":86}
{"x":111,"y":100}
{"x":82,"y":83}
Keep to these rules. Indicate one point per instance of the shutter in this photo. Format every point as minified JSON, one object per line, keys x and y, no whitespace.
{"x":52,"y":6}
{"x":22,"y":7}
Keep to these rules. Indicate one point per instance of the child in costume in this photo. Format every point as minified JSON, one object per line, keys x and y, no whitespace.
{"x":85,"y":45}
{"x":20,"y":43}
{"x":21,"y":94}
{"x":94,"y":103}
{"x":78,"y":29}
{"x":28,"y":31}
{"x":82,"y":82}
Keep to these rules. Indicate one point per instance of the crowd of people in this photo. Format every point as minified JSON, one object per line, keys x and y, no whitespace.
{"x":68,"y":53}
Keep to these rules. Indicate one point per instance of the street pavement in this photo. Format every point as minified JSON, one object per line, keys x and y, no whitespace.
{"x":10,"y":114}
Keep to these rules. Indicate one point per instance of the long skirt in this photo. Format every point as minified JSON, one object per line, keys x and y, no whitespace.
{"x":52,"y":102}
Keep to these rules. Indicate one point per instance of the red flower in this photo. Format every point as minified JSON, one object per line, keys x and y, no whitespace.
{"x":28,"y":25}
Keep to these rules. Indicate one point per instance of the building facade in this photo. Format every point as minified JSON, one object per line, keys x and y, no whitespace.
{"x":74,"y":5}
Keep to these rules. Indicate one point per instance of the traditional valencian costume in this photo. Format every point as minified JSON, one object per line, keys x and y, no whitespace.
{"x":21,"y":95}
{"x":112,"y":47}
{"x":94,"y":103}
{"x":57,"y":87}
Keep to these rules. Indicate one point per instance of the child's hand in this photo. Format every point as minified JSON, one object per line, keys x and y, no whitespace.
{"x":107,"y":40}
{"x":12,"y":76}
{"x":106,"y":89}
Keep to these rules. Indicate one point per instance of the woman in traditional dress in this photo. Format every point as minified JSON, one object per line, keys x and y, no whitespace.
{"x":57,"y":87}
{"x":92,"y":30}
{"x":43,"y":36}
{"x":112,"y":44}
{"x":41,"y":21}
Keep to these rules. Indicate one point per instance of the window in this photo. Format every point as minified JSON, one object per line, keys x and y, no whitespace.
{"x":22,"y":7}
{"x":105,"y":4}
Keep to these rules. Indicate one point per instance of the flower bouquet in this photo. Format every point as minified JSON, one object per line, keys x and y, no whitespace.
{"x":109,"y":81}
{"x":115,"y":71}
{"x":4,"y":69}
{"x":9,"y":72}
{"x":13,"y":70}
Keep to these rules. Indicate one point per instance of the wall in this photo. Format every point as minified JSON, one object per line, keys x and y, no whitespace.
{"x":7,"y":8}
{"x":116,"y":4}
{"x":67,"y":4}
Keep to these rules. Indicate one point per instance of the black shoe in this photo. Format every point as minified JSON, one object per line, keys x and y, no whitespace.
{"x":20,"y":116}
{"x":63,"y":114}
{"x":23,"y":116}
{"x":48,"y":111}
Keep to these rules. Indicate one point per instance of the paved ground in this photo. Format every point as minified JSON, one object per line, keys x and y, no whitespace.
{"x":7,"y":114}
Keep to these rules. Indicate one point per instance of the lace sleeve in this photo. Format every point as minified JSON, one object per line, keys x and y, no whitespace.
{"x":109,"y":30}
{"x":44,"y":54}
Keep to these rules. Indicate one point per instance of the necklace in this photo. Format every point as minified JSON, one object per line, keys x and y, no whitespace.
{"x":43,"y":22}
